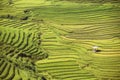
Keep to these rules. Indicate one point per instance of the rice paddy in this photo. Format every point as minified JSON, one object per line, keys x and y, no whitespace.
{"x":55,"y":40}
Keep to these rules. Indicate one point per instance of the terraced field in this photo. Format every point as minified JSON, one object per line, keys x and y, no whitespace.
{"x":54,"y":40}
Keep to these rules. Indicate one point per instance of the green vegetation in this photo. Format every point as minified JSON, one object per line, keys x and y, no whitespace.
{"x":20,"y":49}
{"x":54,"y":40}
{"x":94,"y":1}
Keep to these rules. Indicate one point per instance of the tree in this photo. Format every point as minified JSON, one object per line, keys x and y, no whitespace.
{"x":10,"y":2}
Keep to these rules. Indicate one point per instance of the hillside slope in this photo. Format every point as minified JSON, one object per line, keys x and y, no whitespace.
{"x":55,"y":40}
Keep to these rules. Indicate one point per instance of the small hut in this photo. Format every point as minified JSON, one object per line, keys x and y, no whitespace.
{"x":95,"y":49}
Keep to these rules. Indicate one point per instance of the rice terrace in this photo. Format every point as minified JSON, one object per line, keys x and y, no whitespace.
{"x":59,"y":39}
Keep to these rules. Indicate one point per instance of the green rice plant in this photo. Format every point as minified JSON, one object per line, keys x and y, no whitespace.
{"x":20,"y":49}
